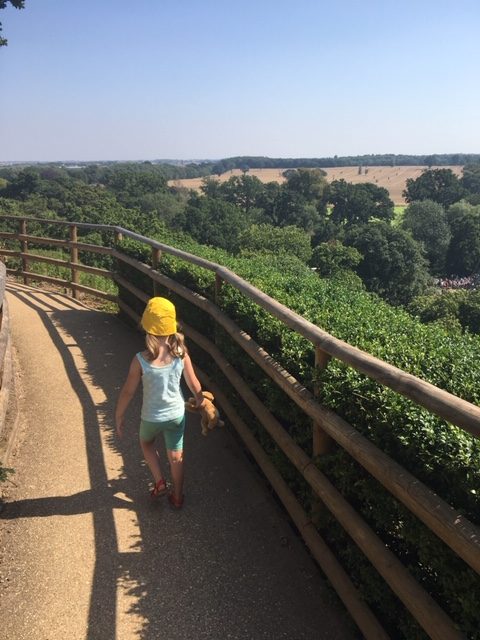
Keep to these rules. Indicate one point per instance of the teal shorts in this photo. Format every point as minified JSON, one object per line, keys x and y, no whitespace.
{"x":172,"y":430}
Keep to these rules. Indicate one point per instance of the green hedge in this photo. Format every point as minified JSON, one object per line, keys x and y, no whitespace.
{"x":444,"y":457}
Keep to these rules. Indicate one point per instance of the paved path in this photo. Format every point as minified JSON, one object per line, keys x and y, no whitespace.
{"x":86,"y":556}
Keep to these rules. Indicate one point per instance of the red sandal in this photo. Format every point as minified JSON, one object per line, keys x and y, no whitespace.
{"x":175,"y":503}
{"x":159,"y":489}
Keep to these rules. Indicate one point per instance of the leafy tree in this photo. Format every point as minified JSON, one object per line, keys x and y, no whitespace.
{"x":440,"y":307}
{"x":265,"y":237}
{"x":463,"y":257}
{"x":213,"y":222}
{"x":291,"y":208}
{"x":326,"y":231}
{"x":439,"y":185}
{"x":392,"y":265}
{"x":309,"y":183}
{"x":471,"y":181}
{"x":161,"y":205}
{"x":268,"y":202}
{"x":469,"y":311}
{"x":427,"y":222}
{"x":300,"y":201}
{"x":18,"y":4}
{"x":24,"y":184}
{"x":330,"y":258}
{"x":359,"y":203}
{"x":242,"y":191}
{"x":211,"y":187}
{"x":129,"y":184}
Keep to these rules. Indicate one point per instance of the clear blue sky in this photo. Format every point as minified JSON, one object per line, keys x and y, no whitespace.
{"x":147,"y":79}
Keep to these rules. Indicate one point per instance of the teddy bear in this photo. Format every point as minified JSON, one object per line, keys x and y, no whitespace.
{"x":209,"y":413}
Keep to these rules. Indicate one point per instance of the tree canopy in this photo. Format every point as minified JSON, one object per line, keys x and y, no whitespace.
{"x":359,"y":203}
{"x":427,"y":222}
{"x":392,"y":265}
{"x":18,"y":4}
{"x":439,"y":185}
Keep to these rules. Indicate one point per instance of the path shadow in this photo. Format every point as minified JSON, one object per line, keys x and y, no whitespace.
{"x":226,"y":566}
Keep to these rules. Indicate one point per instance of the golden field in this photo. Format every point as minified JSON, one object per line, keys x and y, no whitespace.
{"x":392,"y":178}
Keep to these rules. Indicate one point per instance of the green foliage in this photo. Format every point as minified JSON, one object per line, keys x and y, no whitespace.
{"x":18,"y":4}
{"x":392,"y":264}
{"x":427,"y":222}
{"x":463,"y":257}
{"x":330,"y":258}
{"x":242,"y":191}
{"x":439,"y":185}
{"x":454,"y":310}
{"x":359,"y":203}
{"x":265,"y":237}
{"x":5,"y":472}
{"x":440,"y":307}
{"x":469,"y":311}
{"x":471,"y":178}
{"x":213,"y":222}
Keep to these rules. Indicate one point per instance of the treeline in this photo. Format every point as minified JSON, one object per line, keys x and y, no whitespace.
{"x":332,"y":227}
{"x":368,"y":160}
{"x":176,"y":170}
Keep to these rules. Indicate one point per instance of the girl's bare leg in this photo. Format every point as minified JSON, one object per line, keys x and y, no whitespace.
{"x":151,"y":458}
{"x":175,"y":458}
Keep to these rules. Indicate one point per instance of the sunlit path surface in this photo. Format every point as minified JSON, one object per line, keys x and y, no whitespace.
{"x":84,"y":552}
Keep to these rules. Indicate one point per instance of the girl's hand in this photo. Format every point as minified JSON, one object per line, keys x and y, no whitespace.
{"x":199,"y":401}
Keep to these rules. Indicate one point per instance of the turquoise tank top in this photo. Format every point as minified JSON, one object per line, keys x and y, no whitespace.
{"x":162,"y":395}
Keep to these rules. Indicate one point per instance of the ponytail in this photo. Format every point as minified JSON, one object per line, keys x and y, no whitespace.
{"x":176,"y":345}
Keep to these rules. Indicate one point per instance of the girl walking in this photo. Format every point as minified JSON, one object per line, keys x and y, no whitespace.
{"x":160,"y":367}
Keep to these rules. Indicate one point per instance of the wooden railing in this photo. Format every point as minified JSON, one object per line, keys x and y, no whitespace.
{"x":447,"y":523}
{"x":6,"y":369}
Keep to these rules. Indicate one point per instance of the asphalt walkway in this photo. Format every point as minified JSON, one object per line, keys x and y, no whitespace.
{"x":85,"y":555}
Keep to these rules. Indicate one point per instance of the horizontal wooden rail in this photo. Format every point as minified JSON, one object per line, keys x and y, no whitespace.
{"x":38,"y":276}
{"x":64,"y":283}
{"x":32,"y":257}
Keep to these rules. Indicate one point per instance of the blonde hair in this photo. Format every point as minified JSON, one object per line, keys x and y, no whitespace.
{"x":175,"y":343}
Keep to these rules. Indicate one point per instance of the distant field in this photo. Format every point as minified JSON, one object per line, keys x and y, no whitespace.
{"x":392,"y":178}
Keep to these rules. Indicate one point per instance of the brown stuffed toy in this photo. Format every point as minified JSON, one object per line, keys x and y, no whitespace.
{"x":208,"y":411}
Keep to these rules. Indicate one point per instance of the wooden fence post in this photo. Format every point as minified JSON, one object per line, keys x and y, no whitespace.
{"x":156,"y":257}
{"x":74,"y":259}
{"x":24,"y":249}
{"x":321,"y":441}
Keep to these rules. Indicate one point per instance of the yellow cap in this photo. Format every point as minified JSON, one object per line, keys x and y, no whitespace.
{"x":159,"y":317}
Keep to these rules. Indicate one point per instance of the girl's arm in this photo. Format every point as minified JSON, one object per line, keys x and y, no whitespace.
{"x":126,"y":394}
{"x":192,"y":380}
